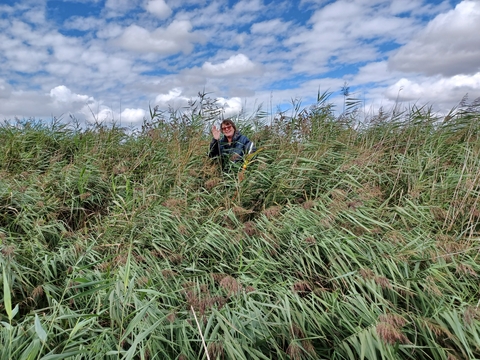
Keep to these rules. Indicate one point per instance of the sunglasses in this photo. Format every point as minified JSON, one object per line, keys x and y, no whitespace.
{"x":226,"y":127}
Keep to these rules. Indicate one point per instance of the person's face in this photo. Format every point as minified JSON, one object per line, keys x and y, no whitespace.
{"x":228,"y":130}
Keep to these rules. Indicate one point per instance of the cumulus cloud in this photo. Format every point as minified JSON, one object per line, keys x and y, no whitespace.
{"x":62,"y":94}
{"x":159,"y":8}
{"x":175,"y":38}
{"x":59,"y":101}
{"x":236,"y":65}
{"x":173,"y":98}
{"x":448,"y":46}
{"x":97,"y":112}
{"x":83,"y":107}
{"x":231,"y":107}
{"x":435,"y":90}
{"x":132,"y":116}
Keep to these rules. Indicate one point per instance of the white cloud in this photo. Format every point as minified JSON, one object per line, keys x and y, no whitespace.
{"x":159,"y":8}
{"x":35,"y":15}
{"x":246,"y":6}
{"x":68,"y":53}
{"x":25,"y":59}
{"x":345,"y":32}
{"x":118,"y":4}
{"x":132,"y":116}
{"x":449,"y":45}
{"x":58,"y":101}
{"x":62,"y":94}
{"x":177,"y":37}
{"x":173,"y":99}
{"x":270,"y":27}
{"x":403,"y":6}
{"x":119,"y":7}
{"x":236,"y":65}
{"x":109,"y":30}
{"x":232,"y":107}
{"x":98,"y":113}
{"x":84,"y":23}
{"x":374,"y":72}
{"x":64,"y":69}
{"x":435,"y":90}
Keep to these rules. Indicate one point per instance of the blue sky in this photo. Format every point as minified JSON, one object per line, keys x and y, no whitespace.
{"x":112,"y":59}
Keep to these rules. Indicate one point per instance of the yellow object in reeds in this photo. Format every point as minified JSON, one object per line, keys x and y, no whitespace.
{"x":249,"y":158}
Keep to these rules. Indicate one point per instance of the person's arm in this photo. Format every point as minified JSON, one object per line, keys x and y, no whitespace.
{"x":248,"y":145}
{"x":215,"y":143}
{"x":243,"y":146}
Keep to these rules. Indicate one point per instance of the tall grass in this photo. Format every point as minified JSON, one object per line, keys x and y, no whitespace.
{"x":342,"y":240}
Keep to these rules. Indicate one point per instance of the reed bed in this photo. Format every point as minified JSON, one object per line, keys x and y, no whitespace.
{"x":342,"y":240}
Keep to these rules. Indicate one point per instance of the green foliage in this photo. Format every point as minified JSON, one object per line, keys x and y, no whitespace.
{"x":342,"y":240}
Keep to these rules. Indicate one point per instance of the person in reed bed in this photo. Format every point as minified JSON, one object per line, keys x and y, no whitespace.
{"x":232,"y":146}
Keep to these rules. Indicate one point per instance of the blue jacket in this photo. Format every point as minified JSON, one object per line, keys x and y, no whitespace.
{"x":240,"y":145}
